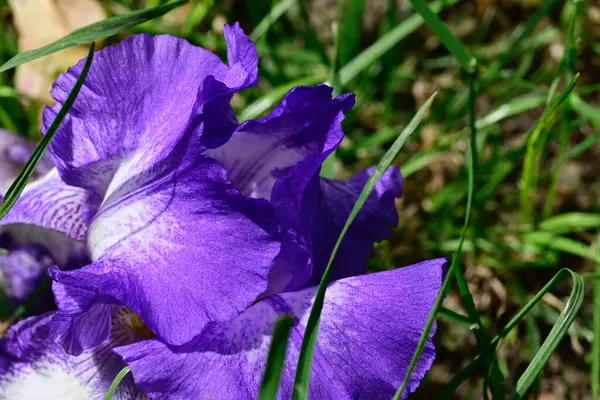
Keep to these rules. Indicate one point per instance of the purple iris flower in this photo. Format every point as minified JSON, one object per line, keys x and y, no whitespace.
{"x":203,"y":232}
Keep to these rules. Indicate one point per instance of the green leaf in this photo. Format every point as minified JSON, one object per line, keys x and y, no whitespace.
{"x":116,"y":382}
{"x":92,"y":32}
{"x":310,"y":335}
{"x":386,"y":42}
{"x":442,"y":32}
{"x":276,"y":358}
{"x":18,"y":185}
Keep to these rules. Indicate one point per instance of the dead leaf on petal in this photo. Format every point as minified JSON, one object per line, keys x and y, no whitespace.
{"x":40,"y":22}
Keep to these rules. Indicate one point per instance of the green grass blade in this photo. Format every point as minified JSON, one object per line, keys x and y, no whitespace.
{"x":496,"y":380}
{"x":116,"y":382}
{"x":442,"y":32}
{"x":276,"y":11}
{"x":18,"y":185}
{"x":418,"y":162}
{"x":92,"y":32}
{"x":471,"y":161}
{"x":566,"y":245}
{"x":570,"y":222}
{"x":565,"y":318}
{"x":386,"y":42}
{"x":559,"y":330}
{"x":536,"y":140}
{"x":457,"y":318}
{"x":276,"y":358}
{"x":595,"y":375}
{"x":515,"y":107}
{"x":351,"y":12}
{"x":303,"y":369}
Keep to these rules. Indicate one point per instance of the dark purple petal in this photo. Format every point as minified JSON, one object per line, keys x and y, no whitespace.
{"x":37,"y":368}
{"x":370,"y":328}
{"x":84,"y":319}
{"x":375,"y":222}
{"x":316,"y":214}
{"x":137,"y":103}
{"x":184,"y":251}
{"x":305,"y":123}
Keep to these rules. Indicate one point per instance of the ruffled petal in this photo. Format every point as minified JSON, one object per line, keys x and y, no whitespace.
{"x":187,"y":242}
{"x":36,"y":368}
{"x":137,"y":103}
{"x":306,"y":122}
{"x":370,"y":328}
{"x":51,"y":204}
{"x":313,"y":211}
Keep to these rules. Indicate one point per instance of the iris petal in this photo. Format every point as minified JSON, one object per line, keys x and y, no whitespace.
{"x":34,"y":367}
{"x":370,"y":327}
{"x":189,"y":241}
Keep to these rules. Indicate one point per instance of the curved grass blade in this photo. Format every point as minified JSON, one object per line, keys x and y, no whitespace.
{"x":304,"y":366}
{"x":92,"y":32}
{"x":276,"y":358}
{"x":18,"y":185}
{"x":115,"y":384}
{"x":559,"y":330}
{"x":565,"y":319}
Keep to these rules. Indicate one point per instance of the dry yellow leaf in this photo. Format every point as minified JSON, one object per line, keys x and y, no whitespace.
{"x":40,"y":22}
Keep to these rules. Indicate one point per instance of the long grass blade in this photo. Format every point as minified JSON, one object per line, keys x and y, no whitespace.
{"x":471,"y":161}
{"x":276,"y":358}
{"x":536,"y":140}
{"x":18,"y":185}
{"x":304,"y":366}
{"x":557,"y":332}
{"x":92,"y":32}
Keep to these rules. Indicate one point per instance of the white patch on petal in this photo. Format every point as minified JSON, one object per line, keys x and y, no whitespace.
{"x":44,"y":381}
{"x":252,"y":174}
